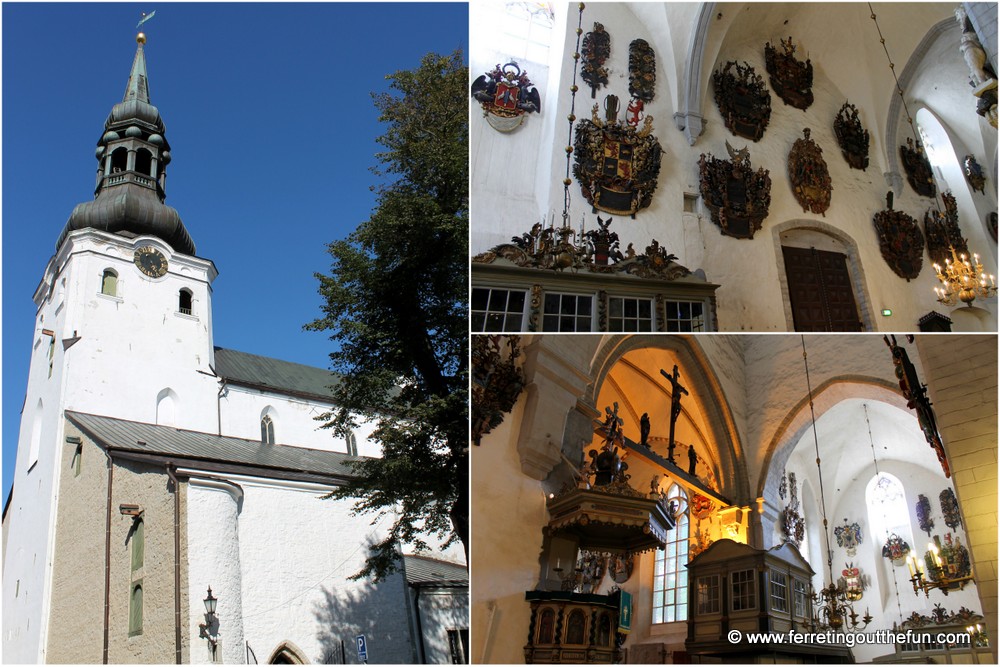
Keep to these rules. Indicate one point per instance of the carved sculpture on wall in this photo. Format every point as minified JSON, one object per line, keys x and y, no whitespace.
{"x":991,"y":224}
{"x":915,"y":393}
{"x":810,"y":178}
{"x":737,"y":196}
{"x":949,"y":509}
{"x":924,"y":518}
{"x":982,"y":78}
{"x":895,"y":549}
{"x":942,"y":231}
{"x":919,"y":174}
{"x":974,"y":174}
{"x":900,"y":241}
{"x":791,"y":78}
{"x":506,"y":95}
{"x":852,"y":136}
{"x":793,"y":526}
{"x":743,"y":100}
{"x":497,"y":381}
{"x":595,"y":52}
{"x":616,"y":165}
{"x":641,"y":70}
{"x":853,"y":583}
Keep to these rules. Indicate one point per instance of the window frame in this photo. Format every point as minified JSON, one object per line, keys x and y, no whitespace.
{"x":135,"y":610}
{"x":778,"y":590}
{"x":711,"y":604}
{"x":110,"y":273}
{"x":748,"y":591}
{"x":651,"y":301}
{"x":267,"y":430}
{"x":578,"y":298}
{"x":486,"y":314}
{"x":673,"y":605}
{"x":799,"y":597}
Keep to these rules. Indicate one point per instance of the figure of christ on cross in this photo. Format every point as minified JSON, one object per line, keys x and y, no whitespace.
{"x":675,"y":406}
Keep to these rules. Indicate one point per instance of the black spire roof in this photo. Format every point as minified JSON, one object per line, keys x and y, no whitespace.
{"x":133,"y":154}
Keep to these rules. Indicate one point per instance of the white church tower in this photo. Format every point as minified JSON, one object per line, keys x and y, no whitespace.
{"x":152,"y":465}
{"x":123,"y":326}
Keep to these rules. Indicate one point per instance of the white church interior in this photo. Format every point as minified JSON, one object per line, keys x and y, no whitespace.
{"x":813,"y":498}
{"x":820,"y":258}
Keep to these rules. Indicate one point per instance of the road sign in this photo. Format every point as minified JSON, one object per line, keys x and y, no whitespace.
{"x":362,"y":648}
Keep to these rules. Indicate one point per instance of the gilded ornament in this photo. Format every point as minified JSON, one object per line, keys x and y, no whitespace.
{"x":900,"y":241}
{"x":918,"y":170}
{"x":852,"y":136}
{"x":942,"y":231}
{"x":737,"y":197}
{"x":791,"y":78}
{"x":743,"y":100}
{"x":596,"y":49}
{"x":506,"y":95}
{"x":811,"y":183}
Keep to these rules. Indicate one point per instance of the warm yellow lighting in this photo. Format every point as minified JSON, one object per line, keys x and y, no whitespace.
{"x":962,"y":281}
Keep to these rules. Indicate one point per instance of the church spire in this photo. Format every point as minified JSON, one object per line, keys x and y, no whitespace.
{"x":133,"y":154}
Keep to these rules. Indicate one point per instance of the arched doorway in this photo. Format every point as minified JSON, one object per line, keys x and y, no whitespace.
{"x":287,"y":653}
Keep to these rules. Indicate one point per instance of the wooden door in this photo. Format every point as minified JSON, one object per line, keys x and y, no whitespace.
{"x":819,"y":288}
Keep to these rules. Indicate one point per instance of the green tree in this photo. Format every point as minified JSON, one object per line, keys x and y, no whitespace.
{"x":395,"y":301}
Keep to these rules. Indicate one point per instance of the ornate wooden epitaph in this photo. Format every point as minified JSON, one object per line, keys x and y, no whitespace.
{"x":506,"y":95}
{"x":595,"y":52}
{"x":791,"y":78}
{"x":918,"y":169}
{"x":943,"y":232}
{"x":852,"y":136}
{"x":810,"y":178}
{"x":737,"y":196}
{"x":743,"y":100}
{"x":900,"y":241}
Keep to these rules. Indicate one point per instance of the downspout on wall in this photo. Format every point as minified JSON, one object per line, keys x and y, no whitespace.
{"x":107,"y":560}
{"x":177,"y":561}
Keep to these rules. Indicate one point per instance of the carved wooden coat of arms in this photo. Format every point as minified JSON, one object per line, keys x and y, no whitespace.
{"x":810,"y":178}
{"x":974,"y":174}
{"x":918,"y":168}
{"x":743,"y":100}
{"x":942,"y":231}
{"x":595,"y":52}
{"x":617,"y":165}
{"x":506,"y":95}
{"x":791,"y":78}
{"x":852,"y":136}
{"x":900,"y":241}
{"x":641,"y":70}
{"x":737,"y":196}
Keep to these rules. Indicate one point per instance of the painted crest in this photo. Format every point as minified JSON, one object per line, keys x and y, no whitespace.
{"x":852,"y":582}
{"x":791,"y":78}
{"x":949,"y":509}
{"x":792,"y":524}
{"x":918,"y":168}
{"x":942,"y":231}
{"x":737,"y":196}
{"x":810,"y":178}
{"x":852,"y":136}
{"x":743,"y":100}
{"x":701,"y":506}
{"x":620,"y":567}
{"x":974,"y":174}
{"x":849,"y":536}
{"x":641,"y":70}
{"x":895,"y":549}
{"x":924,"y":519}
{"x":617,"y":165}
{"x":595,"y":52}
{"x":506,"y":94}
{"x":900,"y":241}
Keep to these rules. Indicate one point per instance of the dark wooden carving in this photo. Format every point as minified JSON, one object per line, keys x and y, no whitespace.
{"x":900,"y":241}
{"x":595,"y":52}
{"x":737,"y":196}
{"x":641,"y":70}
{"x":743,"y":100}
{"x":617,"y":164}
{"x":810,"y":178}
{"x":791,"y":78}
{"x":943,"y":232}
{"x":991,"y":224}
{"x":852,"y":136}
{"x":974,"y":174}
{"x":918,"y":169}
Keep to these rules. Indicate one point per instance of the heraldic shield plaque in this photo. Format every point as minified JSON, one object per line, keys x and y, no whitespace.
{"x":506,"y":95}
{"x":918,"y":169}
{"x":900,"y":241}
{"x":737,"y":196}
{"x":810,"y":178}
{"x":743,"y":100}
{"x":617,"y":164}
{"x":791,"y":79}
{"x":852,"y":136}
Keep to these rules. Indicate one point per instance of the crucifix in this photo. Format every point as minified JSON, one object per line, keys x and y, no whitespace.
{"x":675,"y":406}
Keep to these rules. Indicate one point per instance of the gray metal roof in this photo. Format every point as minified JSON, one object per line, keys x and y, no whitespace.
{"x":273,"y":374}
{"x":424,"y":571}
{"x":150,"y":439}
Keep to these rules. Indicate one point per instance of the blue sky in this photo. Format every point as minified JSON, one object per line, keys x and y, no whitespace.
{"x":272,"y":132}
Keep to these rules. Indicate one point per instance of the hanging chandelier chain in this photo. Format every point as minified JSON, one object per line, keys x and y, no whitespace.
{"x":819,"y":468}
{"x":572,"y":118}
{"x":885,"y":518}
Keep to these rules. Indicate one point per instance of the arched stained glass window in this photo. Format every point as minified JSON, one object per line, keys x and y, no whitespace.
{"x":267,"y":430}
{"x":670,"y":584}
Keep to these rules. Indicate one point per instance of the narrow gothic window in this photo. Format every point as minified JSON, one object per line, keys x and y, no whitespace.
{"x":138,"y":545}
{"x":267,"y":430}
{"x":135,"y":610}
{"x":670,"y":589}
{"x":144,"y":162}
{"x":109,"y":283}
{"x":352,"y":445}
{"x":184,"y":301}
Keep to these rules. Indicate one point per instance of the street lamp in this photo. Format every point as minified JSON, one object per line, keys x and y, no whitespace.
{"x":210,"y":619}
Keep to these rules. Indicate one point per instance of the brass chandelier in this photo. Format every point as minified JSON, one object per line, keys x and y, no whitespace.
{"x":963,"y":280}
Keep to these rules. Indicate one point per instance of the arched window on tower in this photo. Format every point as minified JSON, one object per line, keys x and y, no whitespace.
{"x":184,"y":298}
{"x":109,"y":282}
{"x":267,"y":430}
{"x":119,"y":160}
{"x":670,"y":589}
{"x":144,"y":162}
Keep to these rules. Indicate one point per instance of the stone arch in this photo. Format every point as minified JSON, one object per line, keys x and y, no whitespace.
{"x":287,"y":653}
{"x":689,"y":117}
{"x":802,"y":231}
{"x":894,"y":119}
{"x":166,"y":407}
{"x":710,"y":396}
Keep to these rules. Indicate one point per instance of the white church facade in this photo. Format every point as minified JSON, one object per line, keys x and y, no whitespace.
{"x":156,"y":471}
{"x":624,"y":112}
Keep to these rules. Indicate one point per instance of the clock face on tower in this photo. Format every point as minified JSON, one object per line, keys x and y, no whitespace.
{"x":150,"y":261}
